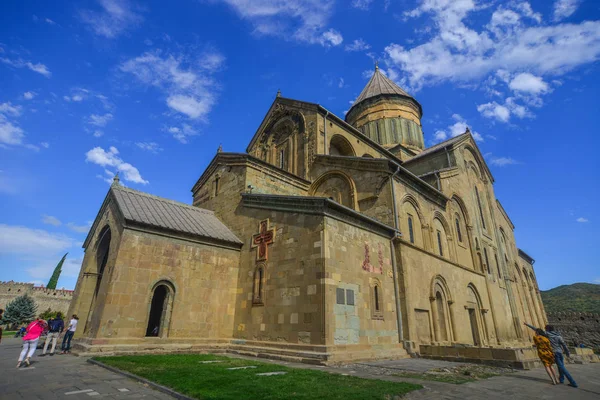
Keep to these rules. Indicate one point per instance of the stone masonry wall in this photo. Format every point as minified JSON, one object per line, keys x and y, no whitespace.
{"x":56,"y":300}
{"x":577,"y":328}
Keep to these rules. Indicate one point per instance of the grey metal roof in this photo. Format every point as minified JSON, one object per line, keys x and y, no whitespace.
{"x":171,"y":215}
{"x":380,"y":84}
{"x":437,"y":147}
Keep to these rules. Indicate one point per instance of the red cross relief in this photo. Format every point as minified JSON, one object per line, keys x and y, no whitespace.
{"x":262,"y":239}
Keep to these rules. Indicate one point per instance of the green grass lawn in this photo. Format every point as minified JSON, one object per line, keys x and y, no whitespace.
{"x":8,"y":333}
{"x":186,"y":374}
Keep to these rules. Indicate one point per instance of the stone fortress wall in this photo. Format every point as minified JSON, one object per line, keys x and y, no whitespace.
{"x":56,"y":300}
{"x":577,"y":328}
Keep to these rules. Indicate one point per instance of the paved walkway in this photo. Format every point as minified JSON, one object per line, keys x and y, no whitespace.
{"x":63,"y":377}
{"x":69,"y":377}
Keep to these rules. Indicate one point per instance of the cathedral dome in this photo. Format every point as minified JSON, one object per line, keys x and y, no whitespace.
{"x":387,"y":114}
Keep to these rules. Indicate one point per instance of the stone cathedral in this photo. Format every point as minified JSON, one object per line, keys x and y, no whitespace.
{"x":329,"y":240}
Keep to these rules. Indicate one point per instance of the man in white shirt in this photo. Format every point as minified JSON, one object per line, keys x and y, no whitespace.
{"x":66,"y":344}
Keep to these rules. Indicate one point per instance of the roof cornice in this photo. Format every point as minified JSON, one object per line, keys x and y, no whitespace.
{"x":317,"y":206}
{"x":245,"y":159}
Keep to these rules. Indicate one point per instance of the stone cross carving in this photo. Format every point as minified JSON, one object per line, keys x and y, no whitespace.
{"x":262,"y":239}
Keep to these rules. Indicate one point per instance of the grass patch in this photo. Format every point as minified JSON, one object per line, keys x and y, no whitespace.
{"x":450,"y":378}
{"x":186,"y":374}
{"x":8,"y":333}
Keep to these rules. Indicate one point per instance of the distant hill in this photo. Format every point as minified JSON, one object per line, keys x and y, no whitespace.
{"x":580,"y":297}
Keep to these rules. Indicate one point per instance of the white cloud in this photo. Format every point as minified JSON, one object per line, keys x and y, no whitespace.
{"x":182,"y":134}
{"x":111,"y":158}
{"x":503,"y":161}
{"x":49,"y":21}
{"x":341,"y":83}
{"x":186,"y":79}
{"x":22,"y":240}
{"x":10,"y":133}
{"x":8,"y":109}
{"x":152,"y":147}
{"x":459,"y":53}
{"x":457,"y":128}
{"x":503,"y":112}
{"x":189,"y":106}
{"x":582,"y":220}
{"x":20,"y":63}
{"x":79,"y":228}
{"x":29,"y":95}
{"x":494,"y":110}
{"x":529,"y":83}
{"x":113,"y":19}
{"x":43,"y":270}
{"x":45,"y":144}
{"x":362,"y":4}
{"x":50,"y":220}
{"x":565,"y":8}
{"x":100,"y":120}
{"x":98,"y":133}
{"x":358,"y":45}
{"x":301,"y":20}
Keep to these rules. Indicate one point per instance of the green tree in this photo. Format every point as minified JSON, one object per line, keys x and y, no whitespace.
{"x":54,"y":279}
{"x":20,"y":311}
{"x":46,"y":315}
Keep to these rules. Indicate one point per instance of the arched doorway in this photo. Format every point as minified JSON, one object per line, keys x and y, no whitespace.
{"x":102,"y":255}
{"x":476,"y":320}
{"x":160,"y":310}
{"x":441,"y":316}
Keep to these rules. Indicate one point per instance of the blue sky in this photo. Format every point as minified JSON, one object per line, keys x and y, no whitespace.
{"x":151,"y":89}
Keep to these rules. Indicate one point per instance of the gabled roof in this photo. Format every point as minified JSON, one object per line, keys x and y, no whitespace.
{"x":438,"y":146}
{"x":145,"y":210}
{"x":449,"y":143}
{"x":379,"y":84}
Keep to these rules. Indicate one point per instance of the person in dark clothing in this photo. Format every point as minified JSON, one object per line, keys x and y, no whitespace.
{"x":558,"y":345}
{"x":55,"y":327}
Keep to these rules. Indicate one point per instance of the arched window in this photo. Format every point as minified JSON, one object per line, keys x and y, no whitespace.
{"x":480,"y":208}
{"x":102,"y":255}
{"x":439,"y":240}
{"x":480,"y":261}
{"x":487,"y":261}
{"x":458,"y":232}
{"x":217,"y":179}
{"x":160,"y":310}
{"x":282,"y":158}
{"x":258,"y":285}
{"x":497,"y":265}
{"x":376,"y":300}
{"x":411,"y":234}
{"x":340,"y":146}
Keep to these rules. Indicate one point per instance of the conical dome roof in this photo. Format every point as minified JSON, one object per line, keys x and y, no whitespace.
{"x":379,"y":84}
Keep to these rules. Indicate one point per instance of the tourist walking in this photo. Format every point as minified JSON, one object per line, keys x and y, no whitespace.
{"x":56,"y":326}
{"x":545,"y":353}
{"x":558,"y":345}
{"x":33,"y":332}
{"x":66,"y":343}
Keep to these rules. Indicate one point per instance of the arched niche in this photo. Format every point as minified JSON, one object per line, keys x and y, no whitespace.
{"x":412,"y":221}
{"x":337,"y":186}
{"x":475,"y":314}
{"x":161,"y":302}
{"x":441,"y":300}
{"x":340,"y":146}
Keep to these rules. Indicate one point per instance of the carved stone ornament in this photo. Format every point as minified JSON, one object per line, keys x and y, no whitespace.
{"x":262,"y":240}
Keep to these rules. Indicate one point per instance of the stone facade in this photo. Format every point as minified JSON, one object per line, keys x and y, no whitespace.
{"x":348,"y":250}
{"x":56,"y":300}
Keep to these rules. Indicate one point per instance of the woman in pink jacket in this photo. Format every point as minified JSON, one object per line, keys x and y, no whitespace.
{"x":30,"y":340}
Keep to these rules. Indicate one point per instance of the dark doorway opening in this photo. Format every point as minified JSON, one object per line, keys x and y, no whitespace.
{"x":474,"y":328}
{"x":157,"y":311}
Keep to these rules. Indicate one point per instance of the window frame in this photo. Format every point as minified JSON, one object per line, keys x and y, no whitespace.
{"x":411,"y":233}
